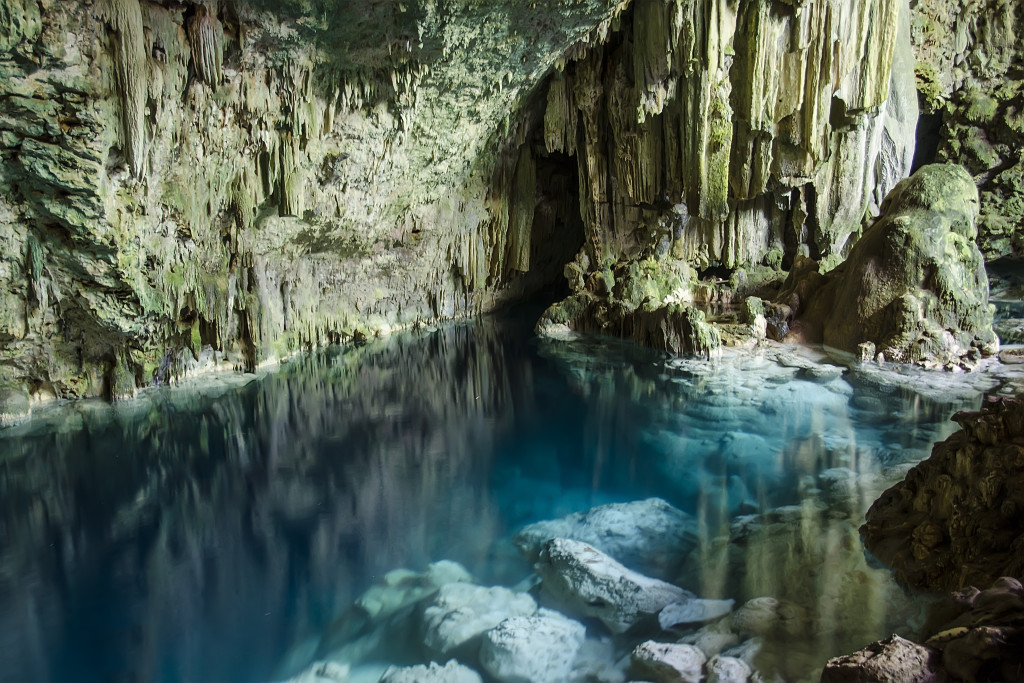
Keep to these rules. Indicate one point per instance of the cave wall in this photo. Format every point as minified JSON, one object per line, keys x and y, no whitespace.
{"x":970,"y":77}
{"x":737,"y":132}
{"x":217,"y":183}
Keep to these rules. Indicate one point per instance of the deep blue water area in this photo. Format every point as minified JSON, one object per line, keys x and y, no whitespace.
{"x":205,"y":533}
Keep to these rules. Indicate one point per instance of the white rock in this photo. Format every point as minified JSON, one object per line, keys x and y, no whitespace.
{"x":669,"y":662}
{"x":452,"y":672}
{"x":597,"y":662}
{"x":323,"y":672}
{"x":712,"y":640}
{"x":647,"y":535}
{"x":695,"y":611}
{"x":402,"y":587}
{"x":537,"y":649}
{"x":591,"y":584}
{"x":728,"y":670}
{"x":461,"y":611}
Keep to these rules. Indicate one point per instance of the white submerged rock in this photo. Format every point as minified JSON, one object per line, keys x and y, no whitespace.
{"x":647,"y":535}
{"x":728,"y":670}
{"x":537,"y":649}
{"x":452,"y":672}
{"x":460,"y":612}
{"x":591,"y":584}
{"x":670,"y":662}
{"x":695,"y":611}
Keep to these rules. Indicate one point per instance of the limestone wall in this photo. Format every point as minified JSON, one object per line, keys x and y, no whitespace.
{"x":222,"y":182}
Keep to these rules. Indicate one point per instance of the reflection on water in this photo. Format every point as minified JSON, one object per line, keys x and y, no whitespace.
{"x":201,"y":535}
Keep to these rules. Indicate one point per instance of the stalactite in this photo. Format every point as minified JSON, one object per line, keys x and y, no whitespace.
{"x":290,"y":176}
{"x":125,"y":20}
{"x":206,"y":40}
{"x":560,"y":118}
{"x":521,"y":205}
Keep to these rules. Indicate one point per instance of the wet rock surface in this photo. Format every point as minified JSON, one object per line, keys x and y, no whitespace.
{"x":461,"y":612}
{"x":669,"y":662}
{"x":890,"y":660}
{"x":914,"y":286}
{"x":452,"y":672}
{"x":539,"y":649}
{"x":592,"y":584}
{"x":650,"y":535}
{"x":954,"y":519}
{"x":972,"y":636}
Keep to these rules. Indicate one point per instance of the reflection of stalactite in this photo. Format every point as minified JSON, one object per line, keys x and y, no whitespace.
{"x":125,"y":20}
{"x":206,"y":40}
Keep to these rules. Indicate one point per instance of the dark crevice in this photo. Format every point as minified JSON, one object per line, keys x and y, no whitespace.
{"x":929,"y":135}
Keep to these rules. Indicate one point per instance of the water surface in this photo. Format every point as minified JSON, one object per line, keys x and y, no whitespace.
{"x":212,"y":535}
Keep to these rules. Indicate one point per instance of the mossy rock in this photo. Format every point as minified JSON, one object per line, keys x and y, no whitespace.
{"x":915,"y":285}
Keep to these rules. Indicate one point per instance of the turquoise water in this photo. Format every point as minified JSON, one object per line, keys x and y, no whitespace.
{"x":216,"y":534}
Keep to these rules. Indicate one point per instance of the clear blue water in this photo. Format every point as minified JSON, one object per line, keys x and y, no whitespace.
{"x":208,"y":535}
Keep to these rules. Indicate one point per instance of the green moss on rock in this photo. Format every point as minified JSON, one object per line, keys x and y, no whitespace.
{"x":915,"y":285}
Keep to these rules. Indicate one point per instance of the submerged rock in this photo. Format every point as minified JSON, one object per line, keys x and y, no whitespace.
{"x":452,"y":672}
{"x":914,"y":285}
{"x":669,"y":662}
{"x":592,"y":584}
{"x":728,"y":670}
{"x":769,"y":617}
{"x":713,"y":639}
{"x":378,"y":613}
{"x":461,"y":612}
{"x":323,"y":672}
{"x":537,"y":649}
{"x":955,"y":518}
{"x":650,"y":535}
{"x":695,"y":611}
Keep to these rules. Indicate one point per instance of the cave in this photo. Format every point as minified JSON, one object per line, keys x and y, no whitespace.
{"x":388,"y":341}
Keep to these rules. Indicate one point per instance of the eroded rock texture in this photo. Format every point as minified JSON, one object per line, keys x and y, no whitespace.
{"x":975,"y":636}
{"x":970,"y":76}
{"x":251,"y":178}
{"x":955,"y":519}
{"x":914,"y":288}
{"x":254,"y":177}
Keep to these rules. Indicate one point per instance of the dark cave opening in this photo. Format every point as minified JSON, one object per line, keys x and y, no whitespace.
{"x":715,"y":271}
{"x":557,"y":232}
{"x":929,"y":134}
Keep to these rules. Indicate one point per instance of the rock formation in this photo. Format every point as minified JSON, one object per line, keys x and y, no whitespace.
{"x":914,"y":287}
{"x":592,"y":584}
{"x":975,"y":636}
{"x":955,"y":519}
{"x":246,"y":178}
{"x":648,"y":535}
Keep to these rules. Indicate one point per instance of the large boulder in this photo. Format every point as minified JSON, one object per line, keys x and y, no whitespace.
{"x":537,"y":649}
{"x":913,"y":288}
{"x":591,"y":584}
{"x":649,"y":535}
{"x":955,"y":518}
{"x":461,"y":612}
{"x":886,"y":661}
